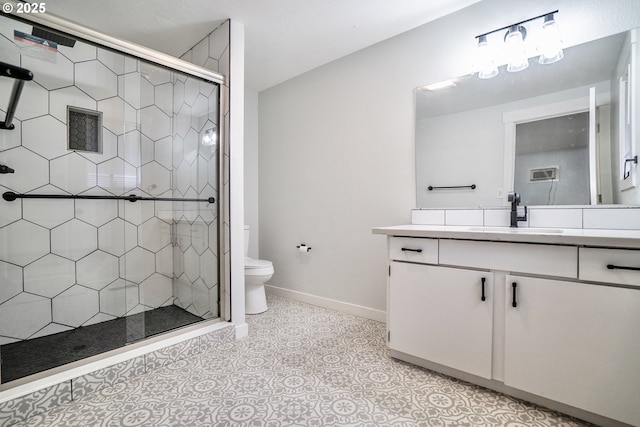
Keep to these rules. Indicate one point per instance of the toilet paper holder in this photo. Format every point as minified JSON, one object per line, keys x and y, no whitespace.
{"x":303,"y":248}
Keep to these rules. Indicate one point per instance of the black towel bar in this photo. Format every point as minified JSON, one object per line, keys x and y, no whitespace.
{"x":431,"y":187}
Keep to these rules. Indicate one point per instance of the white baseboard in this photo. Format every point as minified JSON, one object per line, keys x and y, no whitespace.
{"x":344,"y":307}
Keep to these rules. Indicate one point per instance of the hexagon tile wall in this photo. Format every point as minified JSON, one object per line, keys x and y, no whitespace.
{"x":68,"y":263}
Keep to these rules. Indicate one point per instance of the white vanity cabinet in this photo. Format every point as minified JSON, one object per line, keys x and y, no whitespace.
{"x":441,"y":314}
{"x":570,"y":343}
{"x":575,"y":343}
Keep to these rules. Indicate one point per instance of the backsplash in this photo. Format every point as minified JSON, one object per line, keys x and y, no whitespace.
{"x":608,"y":218}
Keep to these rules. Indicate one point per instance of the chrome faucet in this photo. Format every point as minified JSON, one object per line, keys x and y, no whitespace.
{"x":514,"y":198}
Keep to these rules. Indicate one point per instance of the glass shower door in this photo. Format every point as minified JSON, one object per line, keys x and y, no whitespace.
{"x":59,"y":246}
{"x":196,"y":176}
{"x":91,"y":270}
{"x":171,"y":273}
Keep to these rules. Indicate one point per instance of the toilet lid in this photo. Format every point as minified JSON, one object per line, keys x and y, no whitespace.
{"x":256,"y":263}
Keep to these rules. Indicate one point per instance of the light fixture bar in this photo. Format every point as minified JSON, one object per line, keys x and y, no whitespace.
{"x":517,"y":23}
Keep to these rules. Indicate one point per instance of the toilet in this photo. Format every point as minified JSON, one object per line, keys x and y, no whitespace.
{"x":256,"y":273}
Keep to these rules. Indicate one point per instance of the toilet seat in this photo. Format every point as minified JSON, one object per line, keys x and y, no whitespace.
{"x":251,"y":272}
{"x":250,"y":263}
{"x":257,"y":267}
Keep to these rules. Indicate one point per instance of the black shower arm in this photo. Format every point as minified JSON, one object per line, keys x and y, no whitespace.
{"x":21,"y":75}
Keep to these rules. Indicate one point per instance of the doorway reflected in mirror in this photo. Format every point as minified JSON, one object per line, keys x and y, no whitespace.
{"x":552,"y":160}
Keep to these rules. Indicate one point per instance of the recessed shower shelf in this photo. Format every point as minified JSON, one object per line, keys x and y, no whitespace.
{"x":10,"y":196}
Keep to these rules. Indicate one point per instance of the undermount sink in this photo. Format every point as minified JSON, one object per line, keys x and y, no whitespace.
{"x":517,"y":230}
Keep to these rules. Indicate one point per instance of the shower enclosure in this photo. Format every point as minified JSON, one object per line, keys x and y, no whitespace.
{"x":109,"y":229}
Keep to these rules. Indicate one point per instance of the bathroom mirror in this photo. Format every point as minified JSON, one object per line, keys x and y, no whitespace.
{"x":470,"y":136}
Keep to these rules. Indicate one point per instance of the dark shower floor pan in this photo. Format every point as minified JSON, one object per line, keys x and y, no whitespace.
{"x":28,"y":357}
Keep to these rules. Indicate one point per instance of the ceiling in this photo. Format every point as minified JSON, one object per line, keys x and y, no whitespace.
{"x":283,"y":38}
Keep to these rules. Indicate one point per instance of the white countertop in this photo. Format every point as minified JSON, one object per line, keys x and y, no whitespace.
{"x":565,"y":236}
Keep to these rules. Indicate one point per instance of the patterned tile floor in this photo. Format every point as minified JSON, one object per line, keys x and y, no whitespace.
{"x":300,"y":366}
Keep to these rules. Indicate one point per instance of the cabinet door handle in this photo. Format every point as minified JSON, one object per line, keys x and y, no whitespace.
{"x":483,"y":298}
{"x":514,"y":303}
{"x":411,"y":250}
{"x":619,"y":267}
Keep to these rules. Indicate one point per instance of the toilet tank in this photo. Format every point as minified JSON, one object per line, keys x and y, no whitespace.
{"x":246,"y":240}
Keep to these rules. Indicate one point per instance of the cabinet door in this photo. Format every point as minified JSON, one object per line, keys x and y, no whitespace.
{"x":575,"y":343}
{"x":438,"y":314}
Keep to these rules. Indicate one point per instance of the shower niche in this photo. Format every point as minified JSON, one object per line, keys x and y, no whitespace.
{"x":84,"y":130}
{"x":110,"y":231}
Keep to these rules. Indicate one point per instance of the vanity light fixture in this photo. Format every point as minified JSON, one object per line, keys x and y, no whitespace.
{"x":550,"y":44}
{"x":515,"y":47}
{"x":515,"y":52}
{"x":486,"y":64}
